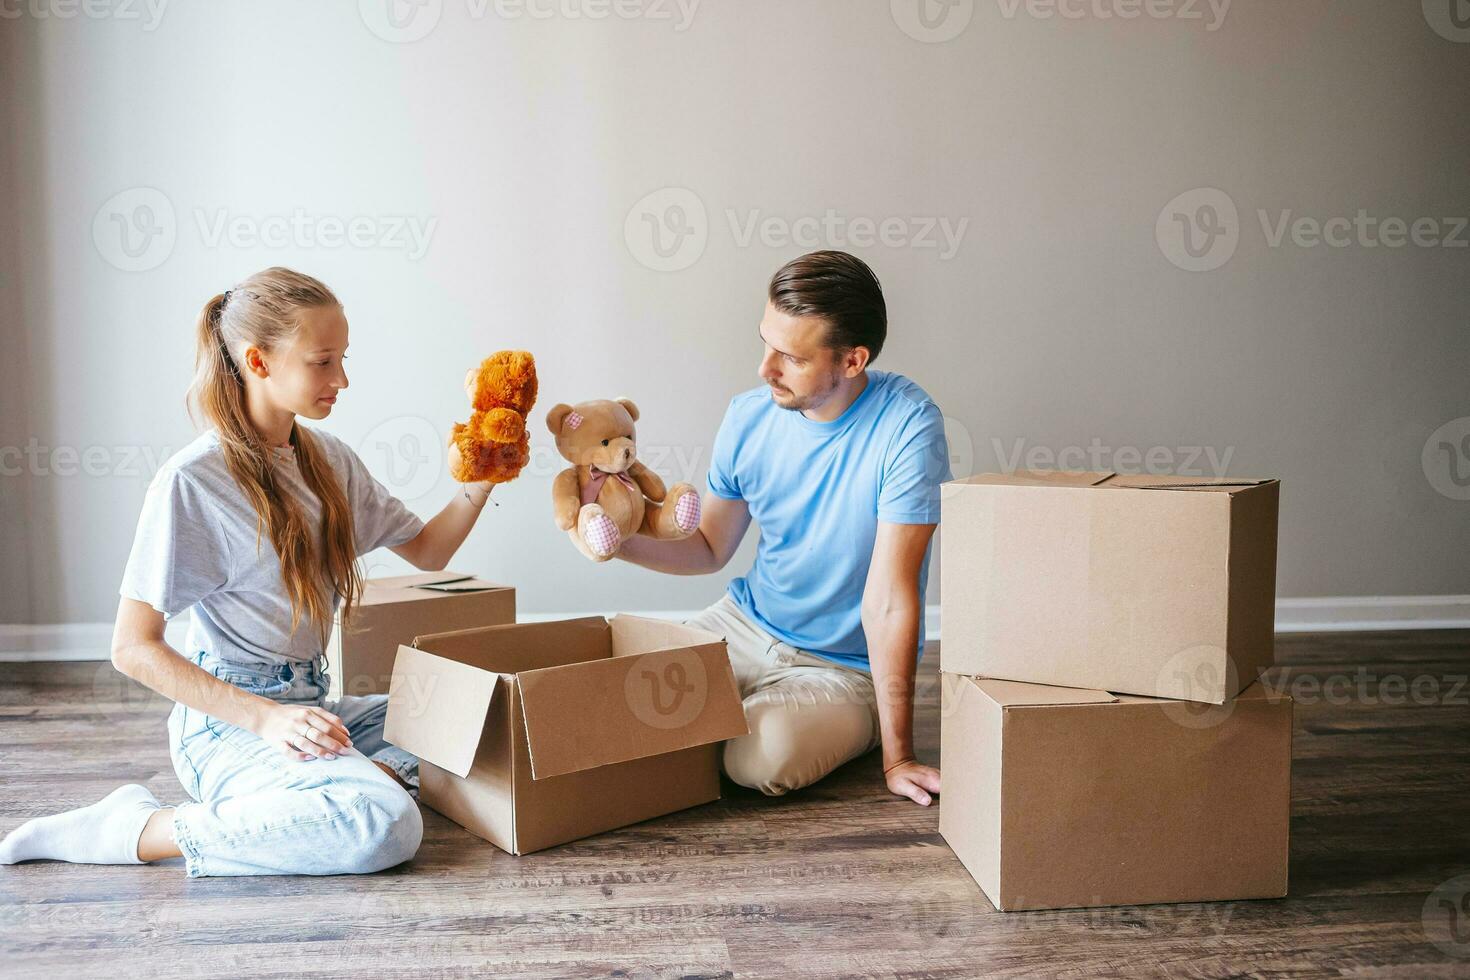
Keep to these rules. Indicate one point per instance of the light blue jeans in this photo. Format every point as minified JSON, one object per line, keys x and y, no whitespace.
{"x":257,"y":812}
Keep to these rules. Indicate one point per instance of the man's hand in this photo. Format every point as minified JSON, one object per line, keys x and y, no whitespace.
{"x":911,"y":779}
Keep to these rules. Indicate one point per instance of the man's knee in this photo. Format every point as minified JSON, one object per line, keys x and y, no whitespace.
{"x":757,"y":764}
{"x":790,"y":745}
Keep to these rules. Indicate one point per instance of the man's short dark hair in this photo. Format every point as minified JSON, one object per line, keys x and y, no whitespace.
{"x":842,"y":290}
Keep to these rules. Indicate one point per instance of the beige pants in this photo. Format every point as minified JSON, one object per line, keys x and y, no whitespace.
{"x":807,"y":716}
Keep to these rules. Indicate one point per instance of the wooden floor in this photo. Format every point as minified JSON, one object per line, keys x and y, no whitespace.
{"x":839,"y":879}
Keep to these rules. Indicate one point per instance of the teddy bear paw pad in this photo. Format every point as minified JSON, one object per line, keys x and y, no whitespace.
{"x":602,"y":535}
{"x":686,"y":512}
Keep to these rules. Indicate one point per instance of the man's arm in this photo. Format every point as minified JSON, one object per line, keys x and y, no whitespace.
{"x":722,"y":525}
{"x":891,"y":610}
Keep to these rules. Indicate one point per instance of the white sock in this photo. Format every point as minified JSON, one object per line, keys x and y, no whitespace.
{"x":106,"y":832}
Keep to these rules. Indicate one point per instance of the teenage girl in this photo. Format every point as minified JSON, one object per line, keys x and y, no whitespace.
{"x":256,"y":526}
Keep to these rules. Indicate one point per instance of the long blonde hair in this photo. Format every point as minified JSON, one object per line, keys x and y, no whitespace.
{"x":264,"y":311}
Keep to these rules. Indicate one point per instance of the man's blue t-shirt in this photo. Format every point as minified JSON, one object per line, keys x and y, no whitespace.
{"x":818,"y":491}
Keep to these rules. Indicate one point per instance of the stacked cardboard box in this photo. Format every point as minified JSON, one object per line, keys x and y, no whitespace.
{"x":1105,"y":739}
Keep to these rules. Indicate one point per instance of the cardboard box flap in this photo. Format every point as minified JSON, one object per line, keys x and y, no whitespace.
{"x":1038,"y":478}
{"x":585,"y":715}
{"x":1009,"y":694}
{"x":512,"y":647}
{"x":641,"y":634}
{"x":459,"y":586}
{"x":423,"y":585}
{"x":415,"y":579}
{"x":437,"y":708}
{"x":1145,"y":481}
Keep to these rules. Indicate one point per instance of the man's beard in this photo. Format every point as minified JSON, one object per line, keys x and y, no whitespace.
{"x":808,"y":402}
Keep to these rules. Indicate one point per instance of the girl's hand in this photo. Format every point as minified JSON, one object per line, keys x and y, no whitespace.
{"x":303,"y":732}
{"x":479,"y":493}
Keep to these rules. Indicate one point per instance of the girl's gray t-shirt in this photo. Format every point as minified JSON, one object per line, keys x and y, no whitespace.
{"x":196,"y":549}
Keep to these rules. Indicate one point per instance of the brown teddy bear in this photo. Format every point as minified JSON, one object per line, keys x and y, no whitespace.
{"x":494,"y":446}
{"x":607,"y":495}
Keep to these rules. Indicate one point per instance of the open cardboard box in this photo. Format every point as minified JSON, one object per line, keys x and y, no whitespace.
{"x":535,"y":734}
{"x":393,"y":610}
{"x":1160,"y":586}
{"x":1061,"y":797}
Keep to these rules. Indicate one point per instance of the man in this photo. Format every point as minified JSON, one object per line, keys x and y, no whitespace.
{"x":840,"y":466}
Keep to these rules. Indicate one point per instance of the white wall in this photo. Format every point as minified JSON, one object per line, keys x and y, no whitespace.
{"x":1060,"y":321}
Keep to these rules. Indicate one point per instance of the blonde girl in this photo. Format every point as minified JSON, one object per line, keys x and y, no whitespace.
{"x":256,"y":527}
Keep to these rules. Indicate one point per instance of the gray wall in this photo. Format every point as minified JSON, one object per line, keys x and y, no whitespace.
{"x":1069,"y":315}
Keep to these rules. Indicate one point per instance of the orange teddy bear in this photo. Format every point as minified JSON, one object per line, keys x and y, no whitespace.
{"x":494,"y":446}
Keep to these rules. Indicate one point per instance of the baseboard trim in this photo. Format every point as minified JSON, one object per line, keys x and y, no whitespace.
{"x":1373,"y":613}
{"x":92,"y":641}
